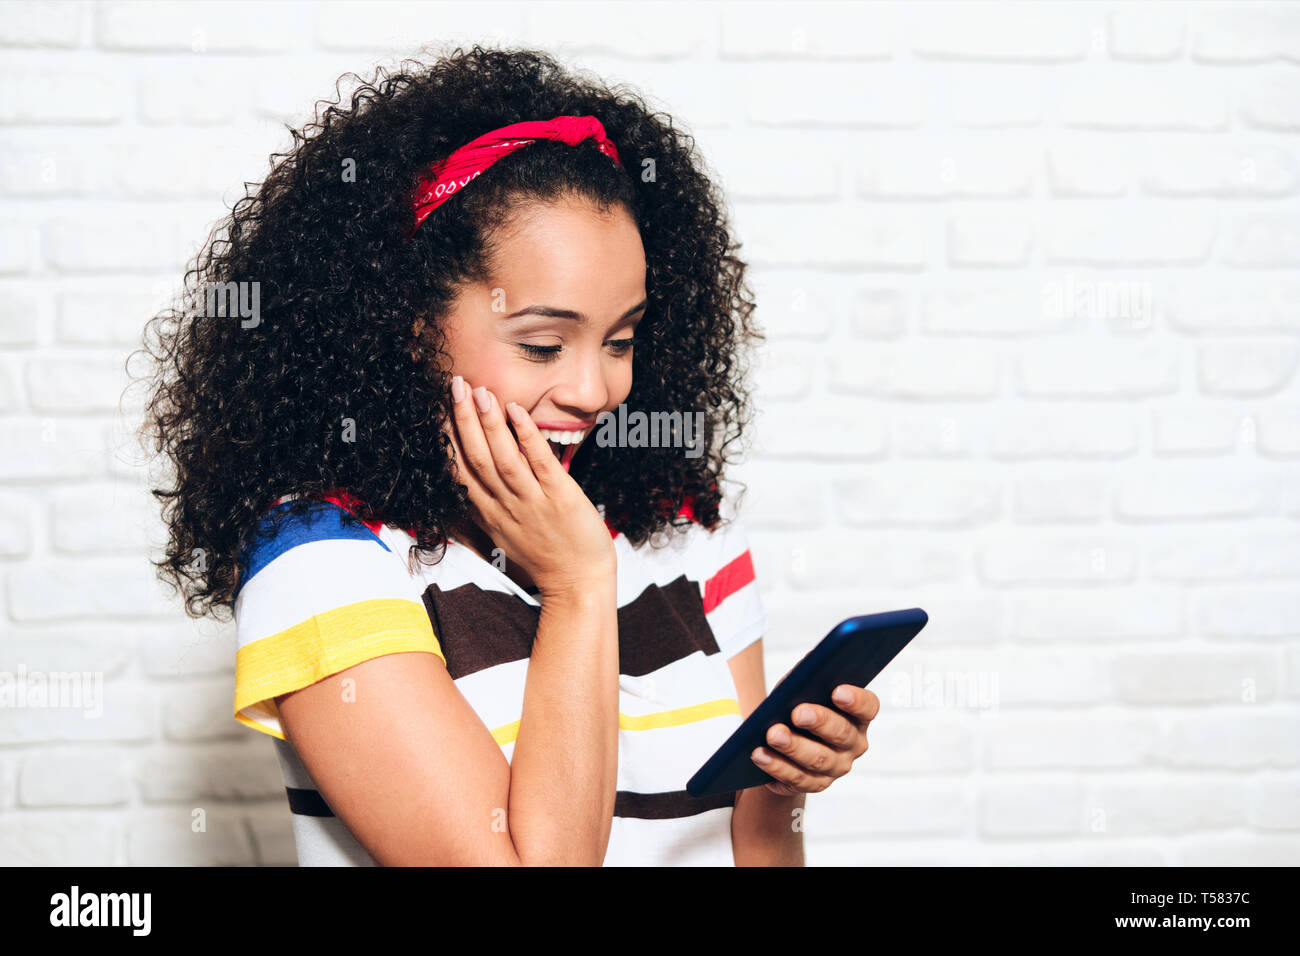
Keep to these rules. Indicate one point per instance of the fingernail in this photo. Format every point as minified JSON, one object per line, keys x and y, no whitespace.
{"x":803,"y":717}
{"x":457,"y":388}
{"x":516,"y":413}
{"x":482,"y":399}
{"x":842,"y":697}
{"x":760,"y":757}
{"x":778,"y":736}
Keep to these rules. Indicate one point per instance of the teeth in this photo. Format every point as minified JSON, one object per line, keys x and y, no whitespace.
{"x":563,"y":438}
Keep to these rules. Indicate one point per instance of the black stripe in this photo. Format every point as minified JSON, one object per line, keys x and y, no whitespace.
{"x":666,"y":806}
{"x":308,"y":803}
{"x":479,"y":628}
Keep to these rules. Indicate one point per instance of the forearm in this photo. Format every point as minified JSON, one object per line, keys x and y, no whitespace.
{"x":564,"y":770}
{"x":767,"y":828}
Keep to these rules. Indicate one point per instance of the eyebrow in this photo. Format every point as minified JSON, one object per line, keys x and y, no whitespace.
{"x":578,"y":317}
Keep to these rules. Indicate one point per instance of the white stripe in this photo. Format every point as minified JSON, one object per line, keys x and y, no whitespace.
{"x":317,"y":577}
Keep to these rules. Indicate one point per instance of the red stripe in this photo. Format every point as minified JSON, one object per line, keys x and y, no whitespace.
{"x":351,"y":504}
{"x":734,"y":575}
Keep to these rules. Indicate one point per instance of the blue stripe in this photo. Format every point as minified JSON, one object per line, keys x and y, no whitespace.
{"x":324,"y":521}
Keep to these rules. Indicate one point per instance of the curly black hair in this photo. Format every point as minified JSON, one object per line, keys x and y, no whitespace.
{"x":245,"y":412}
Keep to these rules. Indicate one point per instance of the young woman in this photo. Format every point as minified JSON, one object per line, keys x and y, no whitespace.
{"x":482,"y":626}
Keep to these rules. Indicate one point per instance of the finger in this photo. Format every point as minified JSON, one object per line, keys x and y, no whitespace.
{"x":464,"y":474}
{"x":812,"y":756}
{"x":860,"y":703}
{"x":512,"y":467}
{"x":537,"y":452}
{"x":475,"y":452}
{"x":837,"y":730}
{"x":785,"y":772}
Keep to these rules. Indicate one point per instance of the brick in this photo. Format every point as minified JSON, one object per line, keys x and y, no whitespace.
{"x":123,"y":714}
{"x":785,"y":432}
{"x":958,"y":169}
{"x":1006,"y":98}
{"x":122,"y":246}
{"x":1063,"y":560}
{"x":933,"y":434}
{"x":921,"y":743}
{"x":1268,"y":102}
{"x":63,"y":386}
{"x":1032,"y":808}
{"x":1238,"y":850}
{"x":1099,"y":616}
{"x":1069,"y":742}
{"x":785,"y":373}
{"x":61,"y":96}
{"x":821,"y":31}
{"x":1245,"y":34}
{"x":221,"y":771}
{"x":787,"y":171}
{"x":47,"y":25}
{"x":989,"y":240}
{"x":201,"y":711}
{"x":1262,"y":242}
{"x":22,"y":314}
{"x":1057,"y":499}
{"x":1197,"y":431}
{"x":60,"y":839}
{"x":1234,"y":305}
{"x":84,"y":588}
{"x":1091,"y":166}
{"x":1278,"y":432}
{"x":914,"y":371}
{"x":1237,"y":740}
{"x":1258,"y":613}
{"x":831,"y":95}
{"x":17,"y":244}
{"x":1245,"y":368}
{"x":1221,"y":169}
{"x":792,"y":501}
{"x":1193,"y":677}
{"x":15,"y":526}
{"x":879,"y":314}
{"x":105,"y":519}
{"x":1104,"y":239}
{"x":990,"y":310}
{"x":189,"y":647}
{"x":76,"y":778}
{"x":977,"y":679}
{"x":858,"y":805}
{"x":200,"y":27}
{"x":45,"y":171}
{"x":837,"y":238}
{"x":842,"y":561}
{"x":1130,"y":97}
{"x":1221,"y":556}
{"x":106,"y":318}
{"x":948,"y":502}
{"x":990,"y":32}
{"x":9,"y":389}
{"x":168,"y":837}
{"x":1161,"y":805}
{"x":1274,"y":802}
{"x":189,"y":99}
{"x":1173,"y":494}
{"x":51,"y":449}
{"x":1092,"y":433}
{"x":1097,"y":370}
{"x":1145,"y":33}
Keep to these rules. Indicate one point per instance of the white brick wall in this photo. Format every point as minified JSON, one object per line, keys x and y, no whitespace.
{"x":1029,"y":274}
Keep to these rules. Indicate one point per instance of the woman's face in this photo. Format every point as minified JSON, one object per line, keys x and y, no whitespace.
{"x":549,"y":331}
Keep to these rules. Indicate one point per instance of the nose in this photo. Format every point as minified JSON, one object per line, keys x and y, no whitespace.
{"x":581,"y":386}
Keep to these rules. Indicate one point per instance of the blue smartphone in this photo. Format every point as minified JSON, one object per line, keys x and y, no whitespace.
{"x":854,"y":652}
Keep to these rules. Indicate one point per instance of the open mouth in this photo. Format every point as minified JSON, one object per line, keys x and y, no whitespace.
{"x":564,"y":444}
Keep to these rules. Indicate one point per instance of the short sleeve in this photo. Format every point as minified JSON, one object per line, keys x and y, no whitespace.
{"x":319,"y":595}
{"x":725,"y":569}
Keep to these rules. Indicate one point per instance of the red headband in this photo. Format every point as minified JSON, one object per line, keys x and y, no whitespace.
{"x":446,"y":177}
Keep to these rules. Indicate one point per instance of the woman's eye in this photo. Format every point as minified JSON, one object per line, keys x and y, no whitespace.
{"x":548,"y":353}
{"x":541,"y":353}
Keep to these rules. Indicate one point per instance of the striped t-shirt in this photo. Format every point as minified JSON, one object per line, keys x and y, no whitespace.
{"x":327,"y":592}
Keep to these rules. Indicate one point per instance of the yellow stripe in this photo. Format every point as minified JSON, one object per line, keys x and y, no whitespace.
{"x":506,"y":733}
{"x":325,"y":644}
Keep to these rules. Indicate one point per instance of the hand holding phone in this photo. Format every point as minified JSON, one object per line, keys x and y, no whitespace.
{"x":853,"y":653}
